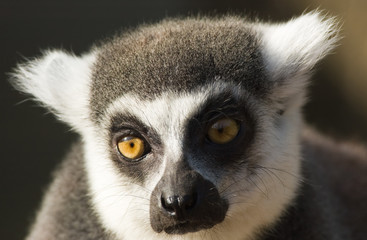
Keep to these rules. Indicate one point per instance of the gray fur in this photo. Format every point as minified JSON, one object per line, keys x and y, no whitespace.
{"x":166,"y":83}
{"x":328,"y":206}
{"x":178,"y":55}
{"x":331,"y":203}
{"x":66,"y":211}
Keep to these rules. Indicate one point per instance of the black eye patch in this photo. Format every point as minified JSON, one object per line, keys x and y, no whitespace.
{"x":222,"y":106}
{"x":128,"y":124}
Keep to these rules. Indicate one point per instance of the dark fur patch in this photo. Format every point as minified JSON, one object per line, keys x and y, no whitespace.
{"x":126,"y":124}
{"x":219,"y":156}
{"x":67,"y":210}
{"x":328,"y":206}
{"x":177,"y":55}
{"x":195,"y":144}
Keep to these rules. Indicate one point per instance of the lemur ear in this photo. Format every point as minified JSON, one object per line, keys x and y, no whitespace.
{"x":59,"y":81}
{"x":291,"y":49}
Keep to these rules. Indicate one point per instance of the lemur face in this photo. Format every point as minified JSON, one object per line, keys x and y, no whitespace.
{"x":190,"y":162}
{"x":190,"y":126}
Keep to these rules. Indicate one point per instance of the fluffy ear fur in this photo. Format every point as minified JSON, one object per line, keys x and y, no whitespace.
{"x":292,"y":49}
{"x":60,"y":81}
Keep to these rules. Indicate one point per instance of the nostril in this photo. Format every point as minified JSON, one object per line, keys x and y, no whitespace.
{"x":190,"y":201}
{"x":169,"y":204}
{"x":179,"y":205}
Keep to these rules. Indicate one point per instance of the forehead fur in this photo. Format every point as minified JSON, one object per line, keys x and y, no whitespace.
{"x":178,"y":55}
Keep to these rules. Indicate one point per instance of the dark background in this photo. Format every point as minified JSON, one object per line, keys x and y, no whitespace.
{"x":33,"y":142}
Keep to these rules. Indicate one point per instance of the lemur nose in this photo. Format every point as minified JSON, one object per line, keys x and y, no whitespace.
{"x":184,"y":201}
{"x":178,"y":205}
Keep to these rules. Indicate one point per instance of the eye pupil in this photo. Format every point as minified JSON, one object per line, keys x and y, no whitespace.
{"x":132,"y":145}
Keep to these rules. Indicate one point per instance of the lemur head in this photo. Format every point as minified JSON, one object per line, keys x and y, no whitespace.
{"x":190,"y":126}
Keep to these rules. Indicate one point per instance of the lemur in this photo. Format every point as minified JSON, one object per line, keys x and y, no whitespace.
{"x":191,"y":128}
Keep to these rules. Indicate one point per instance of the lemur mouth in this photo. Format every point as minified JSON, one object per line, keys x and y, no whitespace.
{"x":186,"y":227}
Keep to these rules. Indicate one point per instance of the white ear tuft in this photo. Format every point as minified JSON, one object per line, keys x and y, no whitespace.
{"x":294,"y":47}
{"x":60,"y":81}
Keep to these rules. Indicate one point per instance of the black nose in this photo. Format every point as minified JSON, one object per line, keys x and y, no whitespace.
{"x":185,"y":202}
{"x":178,"y":205}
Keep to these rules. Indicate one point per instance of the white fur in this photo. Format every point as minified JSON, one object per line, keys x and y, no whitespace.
{"x":123,"y":206}
{"x":294,"y":47}
{"x":61,"y":82}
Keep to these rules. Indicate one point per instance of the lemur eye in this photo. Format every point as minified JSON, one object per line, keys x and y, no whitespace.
{"x":223,"y":131}
{"x":131,"y":147}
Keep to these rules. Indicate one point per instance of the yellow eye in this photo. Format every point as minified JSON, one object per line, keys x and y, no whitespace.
{"x":223,"y":131}
{"x":131,"y":147}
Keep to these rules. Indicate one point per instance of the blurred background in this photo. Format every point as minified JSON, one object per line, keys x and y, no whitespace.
{"x":33,"y":142}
